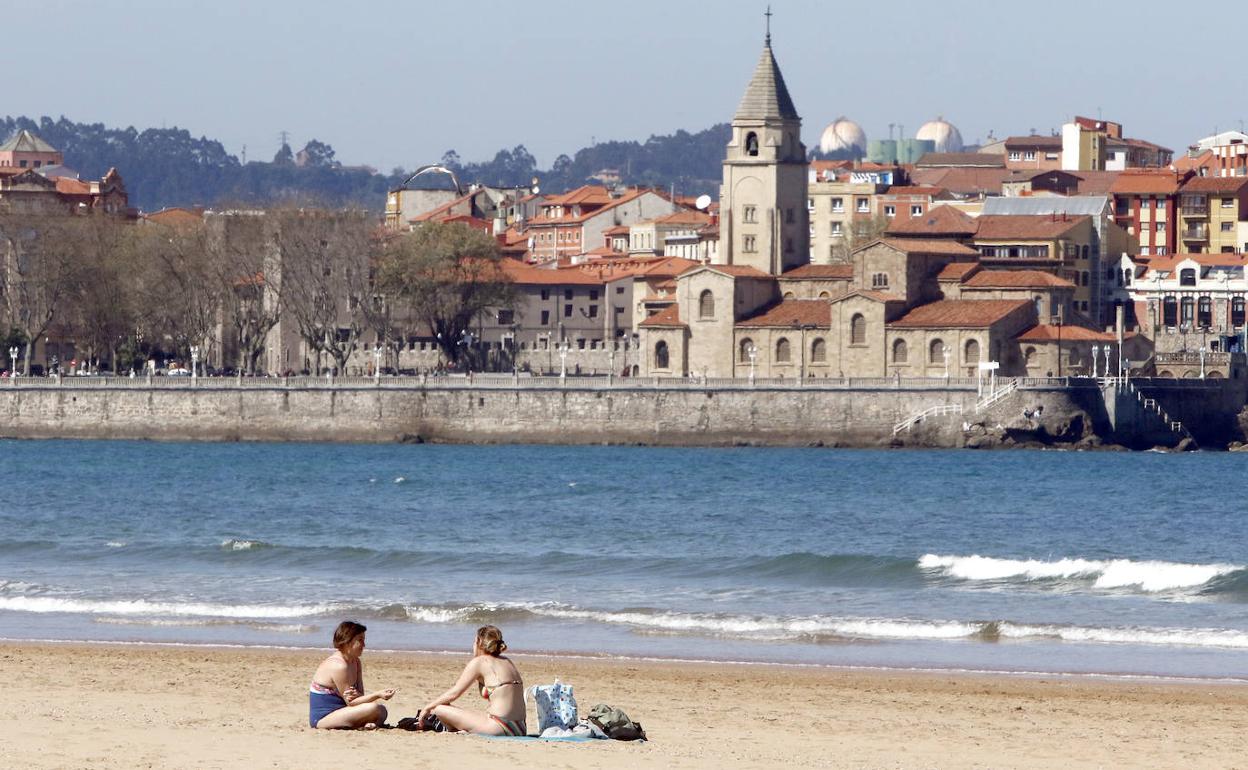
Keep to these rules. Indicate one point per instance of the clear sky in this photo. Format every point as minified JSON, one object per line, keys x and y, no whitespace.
{"x":400,"y":82}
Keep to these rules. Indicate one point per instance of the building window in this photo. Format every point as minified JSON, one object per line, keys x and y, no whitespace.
{"x":838,"y":205}
{"x":879,"y":281}
{"x":890,"y":211}
{"x":783,"y":355}
{"x":706,"y":304}
{"x":1186,"y":306}
{"x":567,"y":311}
{"x":916,"y":211}
{"x":593,"y":311}
{"x":1029,"y":155}
{"x":1237,"y":312}
{"x":567,"y":294}
{"x":936,"y":352}
{"x":1159,"y":226}
{"x":1169,"y":312}
{"x":743,"y":350}
{"x":660,"y":355}
{"x":1204,"y":313}
{"x":506,"y":317}
{"x":970,"y":355}
{"x":593,"y":294}
{"x":1015,"y":155}
{"x":810,"y":204}
{"x":749,"y":214}
{"x":751,"y":144}
{"x":835,"y":228}
{"x":1228,"y":227}
{"x":1187,"y":276}
{"x":545,"y":294}
{"x":863,"y":206}
{"x":545,"y":318}
{"x":818,"y":351}
{"x":900,"y":354}
{"x":858,"y":330}
{"x":748,"y":244}
{"x":1228,"y":203}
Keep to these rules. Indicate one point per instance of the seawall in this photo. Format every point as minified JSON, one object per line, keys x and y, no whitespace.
{"x":542,"y":410}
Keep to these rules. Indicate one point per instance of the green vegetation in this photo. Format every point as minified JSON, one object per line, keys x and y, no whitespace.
{"x":170,"y":167}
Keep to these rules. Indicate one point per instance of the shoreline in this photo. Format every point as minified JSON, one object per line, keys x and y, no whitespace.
{"x":115,"y":706}
{"x":849,"y":668}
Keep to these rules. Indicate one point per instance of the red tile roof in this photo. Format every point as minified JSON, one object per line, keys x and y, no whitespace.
{"x":668,"y":316}
{"x":957,"y":271}
{"x":837,"y":272}
{"x":961,"y":180}
{"x":1016,"y":279}
{"x":1215,"y":184}
{"x":939,"y":220}
{"x":684,"y":217}
{"x":928,"y":190}
{"x":878,"y":296}
{"x":1171,"y":261}
{"x":793,"y":313}
{"x":1095,"y":182}
{"x":1146,"y":182}
{"x":961,"y":159}
{"x":940,"y":247}
{"x":1038,"y":142}
{"x":736,"y":271}
{"x":527,"y":275}
{"x":959,"y":314}
{"x":996,"y":227}
{"x":1053,"y":333}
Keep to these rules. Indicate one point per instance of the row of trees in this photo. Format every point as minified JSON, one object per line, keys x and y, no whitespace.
{"x":123,"y":292}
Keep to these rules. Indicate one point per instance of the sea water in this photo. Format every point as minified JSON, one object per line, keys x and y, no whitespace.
{"x":1124,"y":564}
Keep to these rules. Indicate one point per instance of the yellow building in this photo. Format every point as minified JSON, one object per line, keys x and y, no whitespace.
{"x":1210,"y":209}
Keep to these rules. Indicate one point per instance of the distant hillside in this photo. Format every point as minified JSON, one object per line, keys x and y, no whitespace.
{"x":169,"y":167}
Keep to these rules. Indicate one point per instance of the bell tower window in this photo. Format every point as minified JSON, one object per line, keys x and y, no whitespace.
{"x":751,"y":144}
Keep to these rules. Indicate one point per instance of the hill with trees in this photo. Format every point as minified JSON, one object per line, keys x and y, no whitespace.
{"x":171,"y":167}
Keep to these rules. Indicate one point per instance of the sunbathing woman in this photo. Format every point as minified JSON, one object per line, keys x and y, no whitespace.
{"x":500,"y":684}
{"x":336,"y":699}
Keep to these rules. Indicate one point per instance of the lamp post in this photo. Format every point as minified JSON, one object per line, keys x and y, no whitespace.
{"x":1096,"y":354}
{"x":1202,"y":363}
{"x":1108,"y":348}
{"x":377,"y":363}
{"x":946,"y":355}
{"x":611,"y":371}
{"x":752,"y":352}
{"x":563,"y":360}
{"x":13,"y":362}
{"x":194,"y":363}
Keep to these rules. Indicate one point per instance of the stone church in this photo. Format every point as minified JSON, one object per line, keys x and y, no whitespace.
{"x":901,"y":306}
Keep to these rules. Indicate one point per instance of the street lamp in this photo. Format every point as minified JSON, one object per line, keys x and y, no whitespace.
{"x":194,"y":362}
{"x":13,"y":361}
{"x":752,"y":352}
{"x":1108,"y":348}
{"x":563,"y":359}
{"x":1202,"y":363}
{"x":946,"y":354}
{"x":377,"y":363}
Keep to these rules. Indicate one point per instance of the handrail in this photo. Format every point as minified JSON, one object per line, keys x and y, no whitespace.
{"x":931,"y":411}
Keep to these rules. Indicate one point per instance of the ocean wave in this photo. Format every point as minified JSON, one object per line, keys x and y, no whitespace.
{"x":21,"y":587}
{"x":1145,"y":576}
{"x":47,"y":604}
{"x":1185,"y":637}
{"x":281,"y":628}
{"x":243,"y":545}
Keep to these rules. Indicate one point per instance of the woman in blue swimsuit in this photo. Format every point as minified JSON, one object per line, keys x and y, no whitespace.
{"x":336,"y":698}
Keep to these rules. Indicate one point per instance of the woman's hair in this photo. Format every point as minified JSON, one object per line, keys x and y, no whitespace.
{"x":490,"y":640}
{"x":346,"y":632}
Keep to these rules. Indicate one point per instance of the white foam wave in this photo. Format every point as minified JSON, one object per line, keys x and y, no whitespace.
{"x":773,"y":627}
{"x":1188,"y":637}
{"x":46,"y":604}
{"x":1147,"y":576}
{"x":242,"y":545}
{"x":17,"y":587}
{"x":116,"y":544}
{"x":439,"y":614}
{"x":285,"y":628}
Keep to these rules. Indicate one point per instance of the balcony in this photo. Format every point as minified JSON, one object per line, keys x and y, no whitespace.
{"x":1198,"y":232}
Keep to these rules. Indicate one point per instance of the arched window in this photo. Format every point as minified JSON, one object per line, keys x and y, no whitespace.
{"x":743,"y":350}
{"x":751,"y":144}
{"x":1029,"y":357}
{"x":783,"y":355}
{"x":1204,"y":313}
{"x":1170,"y":312}
{"x":1187,"y":307}
{"x":818,"y":351}
{"x":660,"y":355}
{"x":1126,"y":276}
{"x":858,"y":330}
{"x":971,"y":354}
{"x":1187,"y":277}
{"x":900,"y":353}
{"x":824,"y":295}
{"x":788,"y":295}
{"x":706,"y":304}
{"x":936,"y":352}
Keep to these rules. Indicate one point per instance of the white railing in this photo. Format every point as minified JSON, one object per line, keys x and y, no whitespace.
{"x":931,"y":411}
{"x":996,"y":395}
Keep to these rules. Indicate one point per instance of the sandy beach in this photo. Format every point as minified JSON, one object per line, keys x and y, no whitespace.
{"x":132,"y":706}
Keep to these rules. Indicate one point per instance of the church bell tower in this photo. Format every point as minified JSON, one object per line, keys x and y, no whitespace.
{"x":763,"y":218}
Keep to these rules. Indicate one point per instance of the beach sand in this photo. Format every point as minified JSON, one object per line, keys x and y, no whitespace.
{"x":136,"y":706}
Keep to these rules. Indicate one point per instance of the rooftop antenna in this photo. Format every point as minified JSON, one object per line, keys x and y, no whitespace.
{"x":768,"y":14}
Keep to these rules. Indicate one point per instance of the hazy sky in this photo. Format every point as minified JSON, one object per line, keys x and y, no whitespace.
{"x":398,"y":83}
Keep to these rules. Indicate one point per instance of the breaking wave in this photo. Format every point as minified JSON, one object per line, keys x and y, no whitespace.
{"x":1119,"y":574}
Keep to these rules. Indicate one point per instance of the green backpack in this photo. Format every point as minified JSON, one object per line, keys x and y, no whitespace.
{"x":615,"y":724}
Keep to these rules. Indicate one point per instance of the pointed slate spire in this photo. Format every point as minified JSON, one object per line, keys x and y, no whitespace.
{"x":766,"y":96}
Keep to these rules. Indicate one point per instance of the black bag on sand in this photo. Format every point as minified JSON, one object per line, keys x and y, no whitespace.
{"x":615,"y":724}
{"x":419,"y":723}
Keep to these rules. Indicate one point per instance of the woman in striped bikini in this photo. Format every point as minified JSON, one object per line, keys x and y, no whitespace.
{"x":500,"y":684}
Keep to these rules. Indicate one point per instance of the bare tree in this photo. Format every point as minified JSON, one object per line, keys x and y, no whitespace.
{"x":446,"y":275}
{"x":244,"y":259}
{"x":325,"y":262}
{"x":176,"y":296}
{"x":41,"y":271}
{"x":101,"y":310}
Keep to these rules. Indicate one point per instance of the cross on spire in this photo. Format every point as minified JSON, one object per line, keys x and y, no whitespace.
{"x":768,"y":14}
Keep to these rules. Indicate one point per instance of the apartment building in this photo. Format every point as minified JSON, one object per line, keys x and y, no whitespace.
{"x":1211,"y":208}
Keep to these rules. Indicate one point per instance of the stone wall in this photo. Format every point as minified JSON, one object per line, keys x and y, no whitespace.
{"x":459,"y":411}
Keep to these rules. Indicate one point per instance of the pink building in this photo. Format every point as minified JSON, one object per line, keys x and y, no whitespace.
{"x":25,"y":150}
